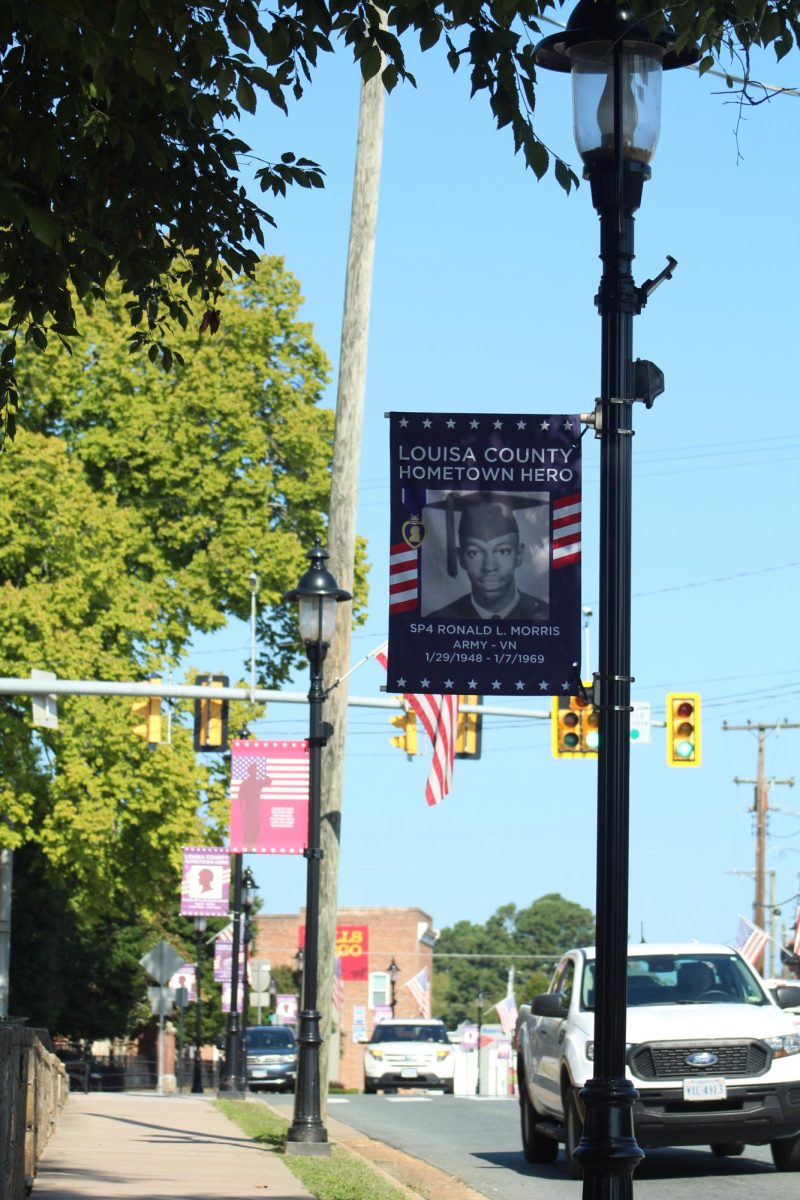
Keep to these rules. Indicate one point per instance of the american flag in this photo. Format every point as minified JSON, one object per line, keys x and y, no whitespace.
{"x":403,"y":578}
{"x":439,"y":715}
{"x":566,"y":541}
{"x":750,"y":940}
{"x":420,"y":990}
{"x":338,"y":986}
{"x":507,"y":1012}
{"x":796,"y":946}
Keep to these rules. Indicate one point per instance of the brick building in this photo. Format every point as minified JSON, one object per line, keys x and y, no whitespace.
{"x":367,"y":941}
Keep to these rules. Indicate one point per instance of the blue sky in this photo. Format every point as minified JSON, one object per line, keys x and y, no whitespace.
{"x":483,"y":301}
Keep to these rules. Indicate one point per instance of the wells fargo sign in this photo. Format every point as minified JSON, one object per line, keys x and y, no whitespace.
{"x":351,"y":947}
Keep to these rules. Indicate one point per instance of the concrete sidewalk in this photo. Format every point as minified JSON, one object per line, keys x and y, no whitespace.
{"x":150,"y":1147}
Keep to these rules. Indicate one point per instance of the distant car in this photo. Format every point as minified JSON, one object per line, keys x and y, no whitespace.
{"x":404,"y":1052}
{"x":271,"y":1057}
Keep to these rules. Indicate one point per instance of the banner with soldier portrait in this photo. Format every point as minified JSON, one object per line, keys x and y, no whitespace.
{"x":485,"y":553}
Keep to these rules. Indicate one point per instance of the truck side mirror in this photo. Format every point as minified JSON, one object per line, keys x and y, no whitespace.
{"x":787,"y":997}
{"x":551,"y":1004}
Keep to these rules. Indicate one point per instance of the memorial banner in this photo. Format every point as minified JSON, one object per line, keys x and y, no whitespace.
{"x":269,"y":797}
{"x":485,"y":551}
{"x":205,"y":881}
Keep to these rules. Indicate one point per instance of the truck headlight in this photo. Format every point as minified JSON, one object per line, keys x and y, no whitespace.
{"x":442,"y":1054}
{"x":378,"y":1054}
{"x":783,"y":1046}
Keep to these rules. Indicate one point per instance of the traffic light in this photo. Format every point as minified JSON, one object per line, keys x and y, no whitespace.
{"x":468,"y":729}
{"x":407,"y":721}
{"x":211,"y":718}
{"x":683,"y":729}
{"x":575,"y":727}
{"x":149,"y":710}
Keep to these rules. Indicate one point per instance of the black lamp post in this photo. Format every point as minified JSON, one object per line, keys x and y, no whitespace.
{"x":393,"y":971}
{"x":299,"y":967}
{"x":479,"y":1002}
{"x":317,"y":595}
{"x":200,"y":924}
{"x":616,"y":67}
{"x":232,"y":1076}
{"x":249,"y":889}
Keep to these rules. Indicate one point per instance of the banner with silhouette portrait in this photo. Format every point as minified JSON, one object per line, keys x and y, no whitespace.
{"x":269,"y":797}
{"x":485,"y":550}
{"x":205,"y":881}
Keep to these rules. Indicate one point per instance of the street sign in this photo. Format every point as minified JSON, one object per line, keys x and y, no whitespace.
{"x":640,"y":721}
{"x":260,"y":975}
{"x":161,"y":962}
{"x":161,"y":1000}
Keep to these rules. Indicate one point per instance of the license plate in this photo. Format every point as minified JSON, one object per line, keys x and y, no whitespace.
{"x":409,"y":1073}
{"x":258,"y":1073}
{"x":704,"y":1089}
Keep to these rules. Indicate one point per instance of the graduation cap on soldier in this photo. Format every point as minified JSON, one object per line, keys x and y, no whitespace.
{"x":483,"y":515}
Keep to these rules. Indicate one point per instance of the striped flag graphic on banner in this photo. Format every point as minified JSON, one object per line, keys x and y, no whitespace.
{"x":439,"y":716}
{"x":566,"y":540}
{"x":269,"y":797}
{"x":403,"y":578}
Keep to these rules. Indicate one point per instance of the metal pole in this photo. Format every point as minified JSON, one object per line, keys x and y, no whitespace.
{"x":608,"y":1151}
{"x":231,"y":1080}
{"x":197,"y":1076}
{"x":245,"y":998}
{"x":307,"y":1133}
{"x":478,"y":1047}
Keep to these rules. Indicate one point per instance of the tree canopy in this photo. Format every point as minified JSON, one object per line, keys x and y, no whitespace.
{"x":135,"y":504}
{"x":119,"y":156}
{"x":470,"y":958}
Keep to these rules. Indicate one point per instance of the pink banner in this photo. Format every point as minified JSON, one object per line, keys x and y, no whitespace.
{"x":269,"y":797}
{"x":205,"y":882}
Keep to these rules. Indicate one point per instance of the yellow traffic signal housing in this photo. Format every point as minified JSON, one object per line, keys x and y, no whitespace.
{"x":683,"y":729}
{"x":407,"y":721}
{"x":575,"y":727}
{"x":211,"y":718}
{"x":468,"y":729}
{"x":149,"y":710}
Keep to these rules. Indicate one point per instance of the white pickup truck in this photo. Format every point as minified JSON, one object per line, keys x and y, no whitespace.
{"x":712,"y":1055}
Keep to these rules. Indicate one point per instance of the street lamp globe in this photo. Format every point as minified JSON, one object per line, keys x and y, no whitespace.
{"x":317,"y":595}
{"x":613,"y":60}
{"x":249,"y":889}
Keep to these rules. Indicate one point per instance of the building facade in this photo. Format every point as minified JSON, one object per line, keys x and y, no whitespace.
{"x":368,"y":942}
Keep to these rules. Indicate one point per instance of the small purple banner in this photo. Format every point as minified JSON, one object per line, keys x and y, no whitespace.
{"x":184,"y":977}
{"x":205,"y":881}
{"x":285,"y":1010}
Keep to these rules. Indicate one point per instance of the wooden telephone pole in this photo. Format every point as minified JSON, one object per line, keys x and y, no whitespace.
{"x":761,"y":807}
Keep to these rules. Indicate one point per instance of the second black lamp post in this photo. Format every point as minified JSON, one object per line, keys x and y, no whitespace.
{"x":393,"y":971}
{"x":317,"y":595}
{"x":616,"y":67}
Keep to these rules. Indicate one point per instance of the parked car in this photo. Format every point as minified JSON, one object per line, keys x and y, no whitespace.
{"x":271,"y":1057}
{"x":406,"y":1053}
{"x":713,"y":1057}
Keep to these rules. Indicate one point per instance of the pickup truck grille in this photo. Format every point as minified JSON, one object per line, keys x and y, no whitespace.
{"x":668,"y":1060}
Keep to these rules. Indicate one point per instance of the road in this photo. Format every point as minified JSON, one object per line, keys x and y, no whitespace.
{"x":477,"y":1140}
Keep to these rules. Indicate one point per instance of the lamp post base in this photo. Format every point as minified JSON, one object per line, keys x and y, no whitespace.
{"x":309,"y":1149}
{"x":608,"y":1151}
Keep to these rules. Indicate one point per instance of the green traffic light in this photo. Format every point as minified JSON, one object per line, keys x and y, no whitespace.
{"x":684,"y":749}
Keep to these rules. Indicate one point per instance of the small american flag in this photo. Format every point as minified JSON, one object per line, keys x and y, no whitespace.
{"x":566,"y":540}
{"x":338,"y":986}
{"x":439,"y":715}
{"x":420,"y":990}
{"x":796,"y":946}
{"x":403,"y":578}
{"x":507,"y":1012}
{"x":750,"y":940}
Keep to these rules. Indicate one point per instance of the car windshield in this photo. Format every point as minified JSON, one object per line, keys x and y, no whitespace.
{"x":409,"y":1033}
{"x":682,"y":979}
{"x":271,"y":1037}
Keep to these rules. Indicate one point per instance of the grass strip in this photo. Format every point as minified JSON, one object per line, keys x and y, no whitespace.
{"x":342,"y":1176}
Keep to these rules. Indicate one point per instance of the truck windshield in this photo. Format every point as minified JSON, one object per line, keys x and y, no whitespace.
{"x":682,"y":979}
{"x":409,"y":1033}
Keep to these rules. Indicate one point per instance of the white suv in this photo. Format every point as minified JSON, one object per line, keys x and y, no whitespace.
{"x":404,"y":1052}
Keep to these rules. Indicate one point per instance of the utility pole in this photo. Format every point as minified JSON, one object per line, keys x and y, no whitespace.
{"x":342,"y":520}
{"x":761,"y":805}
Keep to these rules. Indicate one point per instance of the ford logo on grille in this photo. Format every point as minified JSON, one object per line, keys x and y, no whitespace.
{"x":701,"y":1058}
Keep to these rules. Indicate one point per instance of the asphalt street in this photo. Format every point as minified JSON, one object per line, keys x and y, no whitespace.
{"x":476,"y":1139}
